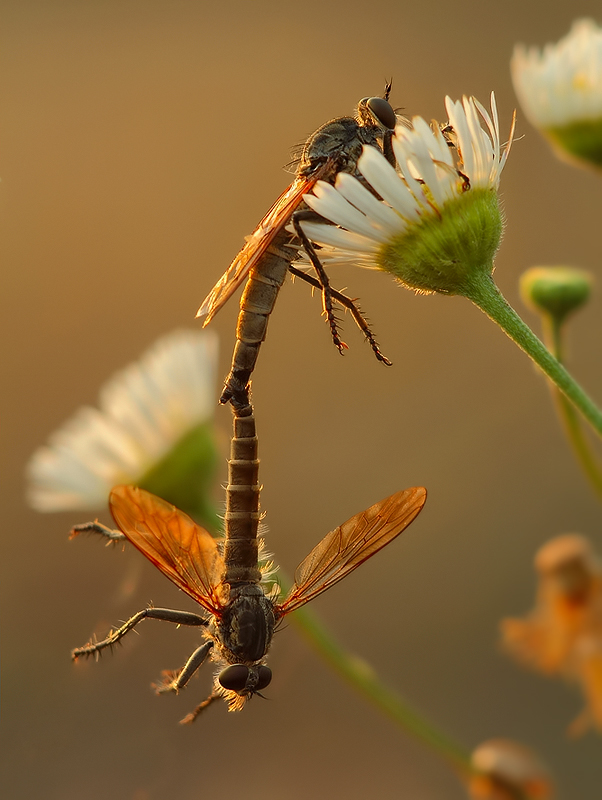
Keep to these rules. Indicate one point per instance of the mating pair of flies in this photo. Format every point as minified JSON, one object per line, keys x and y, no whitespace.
{"x":225,"y":576}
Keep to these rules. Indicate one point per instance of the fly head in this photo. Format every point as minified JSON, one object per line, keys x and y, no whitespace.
{"x":376,"y":111}
{"x":245,"y":680}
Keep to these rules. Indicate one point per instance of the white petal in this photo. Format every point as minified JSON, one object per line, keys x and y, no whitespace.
{"x":386,"y":181}
{"x":458,"y":121}
{"x":422,"y":159}
{"x":331,"y":205}
{"x":406,"y":161}
{"x":381,"y":214}
{"x":328,"y":234}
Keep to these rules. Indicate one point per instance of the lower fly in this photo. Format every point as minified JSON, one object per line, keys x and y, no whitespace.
{"x":227,"y":576}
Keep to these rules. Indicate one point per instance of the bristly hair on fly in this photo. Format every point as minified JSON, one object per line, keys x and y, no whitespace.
{"x":267,"y":566}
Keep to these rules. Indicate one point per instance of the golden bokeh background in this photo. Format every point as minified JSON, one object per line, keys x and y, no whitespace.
{"x":141,"y":142}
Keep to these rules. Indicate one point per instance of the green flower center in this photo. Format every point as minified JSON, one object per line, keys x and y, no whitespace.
{"x":184,"y":476}
{"x":443,"y":251}
{"x":580,"y":140}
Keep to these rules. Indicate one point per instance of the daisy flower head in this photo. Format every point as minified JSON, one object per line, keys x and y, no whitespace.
{"x":152,"y":428}
{"x":432,"y":222}
{"x":560,"y":91}
{"x":504,"y":770}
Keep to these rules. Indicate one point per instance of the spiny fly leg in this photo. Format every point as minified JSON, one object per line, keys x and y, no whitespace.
{"x":201,"y":707}
{"x":109,"y":534}
{"x":349,"y":304}
{"x":327,"y":294}
{"x":165,"y":614}
{"x":173,"y":681}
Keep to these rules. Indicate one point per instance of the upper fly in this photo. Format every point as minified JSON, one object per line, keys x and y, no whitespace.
{"x":269,"y":252}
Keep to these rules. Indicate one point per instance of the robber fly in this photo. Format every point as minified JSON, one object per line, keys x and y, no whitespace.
{"x":225,"y":577}
{"x":270,"y":250}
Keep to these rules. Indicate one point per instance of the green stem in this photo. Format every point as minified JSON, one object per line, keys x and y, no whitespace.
{"x":485,"y":294}
{"x":581,"y":448}
{"x":363,"y":678}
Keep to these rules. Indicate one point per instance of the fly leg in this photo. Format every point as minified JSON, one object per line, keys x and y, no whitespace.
{"x":111,"y":535}
{"x":201,"y":707}
{"x":327,"y":294}
{"x":174,"y":681}
{"x":165,"y":614}
{"x":388,"y":148}
{"x":388,"y":136}
{"x":349,"y":304}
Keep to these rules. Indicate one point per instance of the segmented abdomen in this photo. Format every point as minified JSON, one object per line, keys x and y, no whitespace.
{"x":258,"y":299}
{"x":242,"y":501}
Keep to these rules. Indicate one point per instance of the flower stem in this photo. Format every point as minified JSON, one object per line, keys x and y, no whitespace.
{"x":363,"y":678}
{"x":552,"y":328}
{"x":485,"y":294}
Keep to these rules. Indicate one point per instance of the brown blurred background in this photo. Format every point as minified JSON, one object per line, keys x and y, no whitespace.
{"x":141,"y":142}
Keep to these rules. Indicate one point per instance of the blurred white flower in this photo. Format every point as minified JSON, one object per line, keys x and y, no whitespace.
{"x":439,"y":219}
{"x":562,"y":83}
{"x":506,"y":770}
{"x":146,"y":412}
{"x":560,"y":90}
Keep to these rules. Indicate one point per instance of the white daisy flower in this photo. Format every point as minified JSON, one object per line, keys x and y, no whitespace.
{"x":152,"y":429}
{"x":560,"y":90}
{"x":435,"y":222}
{"x":439,"y":219}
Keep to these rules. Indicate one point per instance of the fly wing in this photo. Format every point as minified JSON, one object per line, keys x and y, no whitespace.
{"x":352,"y":543}
{"x":186,"y":553}
{"x":258,"y":242}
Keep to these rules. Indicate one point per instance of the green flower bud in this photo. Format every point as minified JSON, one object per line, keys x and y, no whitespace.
{"x":556,"y":291}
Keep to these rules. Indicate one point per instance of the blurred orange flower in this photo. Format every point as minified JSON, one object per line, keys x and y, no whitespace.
{"x":506,"y":770}
{"x":563,"y":633}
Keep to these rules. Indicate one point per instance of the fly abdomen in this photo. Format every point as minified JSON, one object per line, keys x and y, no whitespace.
{"x":256,"y":305}
{"x":242,"y":501}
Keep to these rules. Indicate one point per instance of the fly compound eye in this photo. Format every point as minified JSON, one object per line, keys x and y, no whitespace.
{"x":234,"y":678}
{"x":264,"y":675}
{"x":382,"y":111}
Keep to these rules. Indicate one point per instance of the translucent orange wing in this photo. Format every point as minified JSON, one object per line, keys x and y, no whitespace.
{"x":258,"y":242}
{"x":352,"y":543}
{"x":186,"y":553}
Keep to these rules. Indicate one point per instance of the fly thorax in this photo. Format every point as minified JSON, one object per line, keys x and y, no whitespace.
{"x":338,"y":140}
{"x":246,"y":626}
{"x":371,"y":135}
